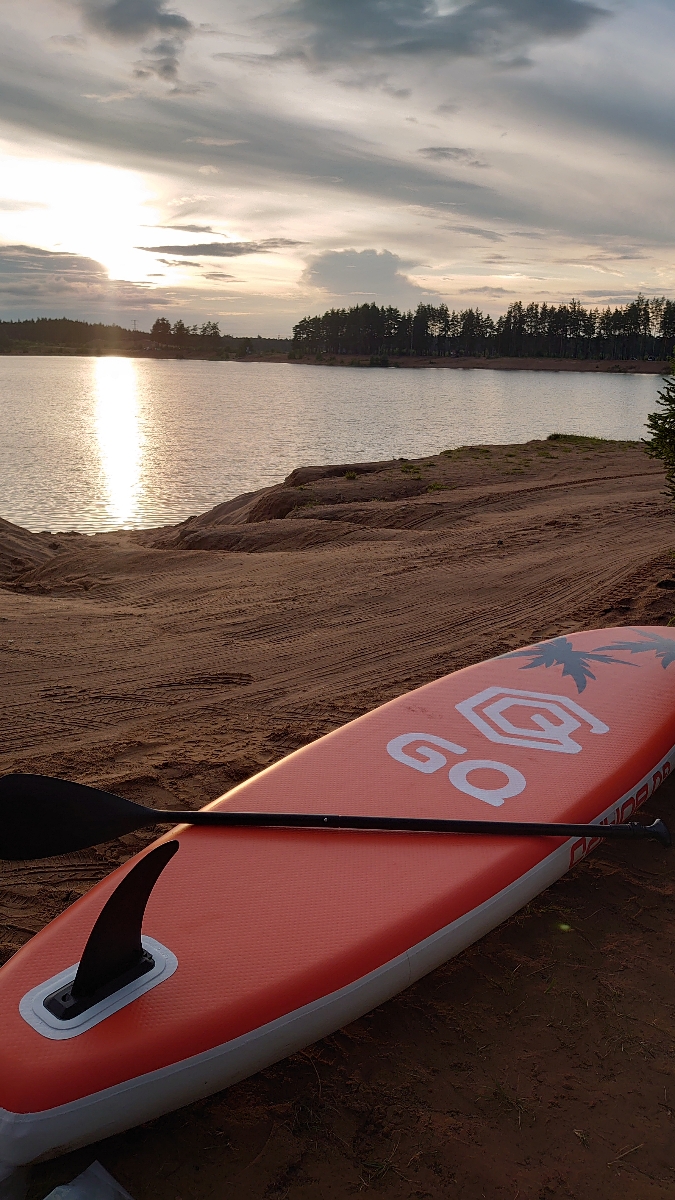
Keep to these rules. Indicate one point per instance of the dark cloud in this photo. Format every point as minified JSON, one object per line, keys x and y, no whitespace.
{"x":213,"y":141}
{"x":452,"y":154}
{"x":603,"y":297}
{"x":333,"y":30}
{"x":218,"y":275}
{"x":490,"y":235}
{"x":493,"y":293}
{"x":57,"y":283}
{"x":603,"y":107}
{"x":128,"y":20}
{"x":178,"y":262}
{"x":225,"y":249}
{"x":186,"y":228}
{"x":364,"y":80}
{"x":160,"y":60}
{"x":363,"y":276}
{"x":36,"y":282}
{"x":600,"y":257}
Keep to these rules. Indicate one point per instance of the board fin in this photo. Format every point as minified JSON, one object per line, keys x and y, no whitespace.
{"x":114,"y":955}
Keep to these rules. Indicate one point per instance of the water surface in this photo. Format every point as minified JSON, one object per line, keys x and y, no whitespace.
{"x":100,"y":443}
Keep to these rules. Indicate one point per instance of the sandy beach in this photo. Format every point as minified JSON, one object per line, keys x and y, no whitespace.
{"x":168,"y":665}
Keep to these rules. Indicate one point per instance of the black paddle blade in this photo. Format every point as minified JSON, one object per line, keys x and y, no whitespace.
{"x":41,"y":817}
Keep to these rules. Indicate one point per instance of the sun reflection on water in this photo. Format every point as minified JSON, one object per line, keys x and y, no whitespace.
{"x":120,"y":437}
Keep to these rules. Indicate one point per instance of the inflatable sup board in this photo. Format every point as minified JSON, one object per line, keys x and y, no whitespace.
{"x":260,"y":941}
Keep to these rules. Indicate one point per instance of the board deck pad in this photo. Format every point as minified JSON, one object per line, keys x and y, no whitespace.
{"x":283,"y":935}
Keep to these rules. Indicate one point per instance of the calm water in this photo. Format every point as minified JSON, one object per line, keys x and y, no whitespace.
{"x":99,"y":443}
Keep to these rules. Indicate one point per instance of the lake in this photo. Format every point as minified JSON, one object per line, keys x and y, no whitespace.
{"x":101,"y":443}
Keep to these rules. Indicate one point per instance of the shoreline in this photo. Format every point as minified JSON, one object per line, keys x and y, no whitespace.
{"x":603,"y":366}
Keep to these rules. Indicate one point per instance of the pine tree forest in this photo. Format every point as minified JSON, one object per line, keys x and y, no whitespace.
{"x":642,"y":329}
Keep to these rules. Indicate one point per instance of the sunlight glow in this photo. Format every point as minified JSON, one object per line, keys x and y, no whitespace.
{"x":120,"y":437}
{"x":84,"y":208}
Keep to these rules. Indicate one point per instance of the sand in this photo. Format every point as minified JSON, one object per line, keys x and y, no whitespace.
{"x":170,"y":664}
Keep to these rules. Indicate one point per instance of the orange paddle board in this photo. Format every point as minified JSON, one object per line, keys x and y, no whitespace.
{"x":266,"y":939}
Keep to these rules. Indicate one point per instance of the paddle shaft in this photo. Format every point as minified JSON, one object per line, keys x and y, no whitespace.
{"x":41,"y":817}
{"x":415,"y":825}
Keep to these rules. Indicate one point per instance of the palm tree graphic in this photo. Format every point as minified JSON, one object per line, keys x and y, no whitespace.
{"x":560,"y":652}
{"x":663,"y":647}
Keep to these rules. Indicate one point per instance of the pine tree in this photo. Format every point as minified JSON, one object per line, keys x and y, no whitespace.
{"x":661,"y":426}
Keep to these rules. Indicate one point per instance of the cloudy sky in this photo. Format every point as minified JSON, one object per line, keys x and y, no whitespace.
{"x":254,"y":161}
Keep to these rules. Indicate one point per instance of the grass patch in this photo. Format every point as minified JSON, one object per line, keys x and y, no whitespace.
{"x":579,"y":439}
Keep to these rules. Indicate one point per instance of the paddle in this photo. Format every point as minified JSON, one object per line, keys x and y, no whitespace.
{"x":41,"y":817}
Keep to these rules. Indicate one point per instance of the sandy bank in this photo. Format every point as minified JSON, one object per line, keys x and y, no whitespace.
{"x":169,"y":664}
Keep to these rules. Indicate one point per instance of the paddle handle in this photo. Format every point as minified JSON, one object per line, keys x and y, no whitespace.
{"x":633,"y":829}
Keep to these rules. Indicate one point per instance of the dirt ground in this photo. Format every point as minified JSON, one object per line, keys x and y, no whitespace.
{"x":170,"y":664}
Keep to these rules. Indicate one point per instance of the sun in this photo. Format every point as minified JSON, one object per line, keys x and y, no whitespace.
{"x":85,"y":208}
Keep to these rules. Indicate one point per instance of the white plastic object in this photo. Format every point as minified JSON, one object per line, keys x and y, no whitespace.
{"x":35,"y":1014}
{"x":93,"y":1184}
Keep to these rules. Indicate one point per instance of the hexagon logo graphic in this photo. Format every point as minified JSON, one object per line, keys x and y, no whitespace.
{"x":536,"y":720}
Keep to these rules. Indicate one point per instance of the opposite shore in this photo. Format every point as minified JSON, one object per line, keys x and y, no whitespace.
{"x":616,"y":366}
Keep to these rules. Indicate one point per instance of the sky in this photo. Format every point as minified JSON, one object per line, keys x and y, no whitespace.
{"x":256,"y":162}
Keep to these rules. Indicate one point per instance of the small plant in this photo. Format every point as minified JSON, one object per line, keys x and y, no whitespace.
{"x":350,"y":474}
{"x":661,"y":426}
